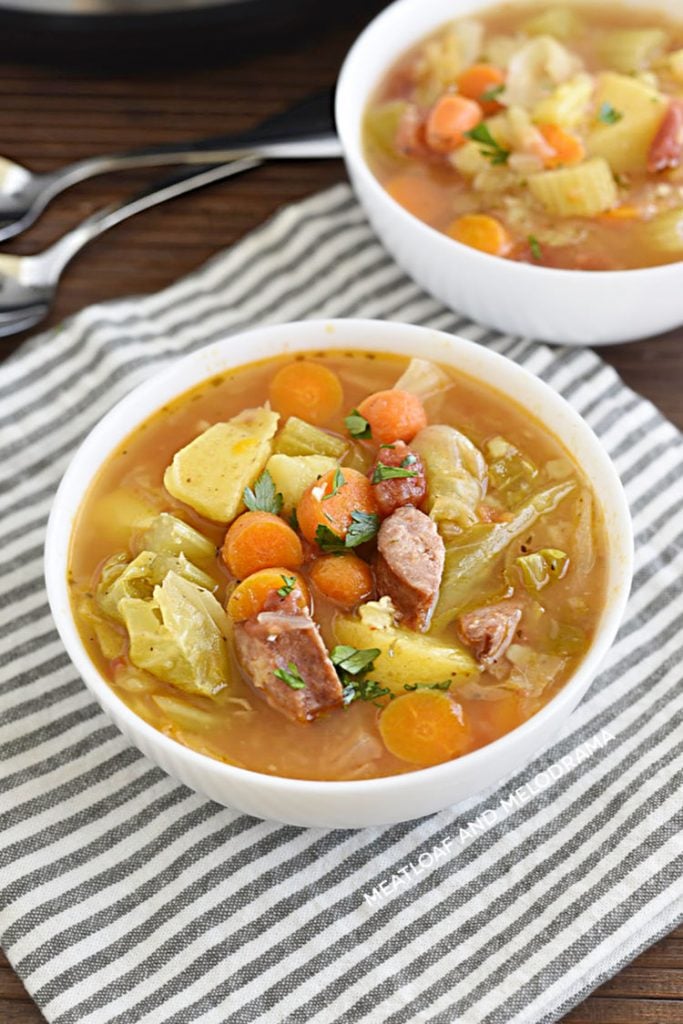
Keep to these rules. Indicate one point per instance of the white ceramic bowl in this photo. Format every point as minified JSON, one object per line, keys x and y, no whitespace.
{"x":372,"y":802}
{"x":565,"y":306}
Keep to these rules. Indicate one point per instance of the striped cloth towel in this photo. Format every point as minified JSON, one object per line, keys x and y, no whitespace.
{"x":126,"y":898}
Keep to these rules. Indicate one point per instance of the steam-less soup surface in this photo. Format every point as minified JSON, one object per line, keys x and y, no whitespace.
{"x":548,"y":135}
{"x":342,"y":565}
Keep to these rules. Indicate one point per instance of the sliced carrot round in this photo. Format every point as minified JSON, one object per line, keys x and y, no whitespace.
{"x":480,"y":231}
{"x":449,"y":119}
{"x":482,"y":82}
{"x":308,"y":390}
{"x":393,"y":415}
{"x":249,"y":597}
{"x":332,"y":499}
{"x":424,"y":727}
{"x":567,"y":149}
{"x":260,"y":540}
{"x":344,"y":579}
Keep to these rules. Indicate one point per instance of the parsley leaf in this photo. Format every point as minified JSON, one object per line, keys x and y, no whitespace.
{"x":294,"y":521}
{"x":385,"y":445}
{"x":357,"y":425}
{"x":338,"y":482}
{"x":352,"y":660}
{"x":329,"y":541}
{"x":493,"y":92}
{"x":291,"y":676}
{"x":411,"y":687}
{"x":488,"y":146}
{"x":364,"y":689}
{"x":535,"y":247}
{"x":364,"y":526}
{"x":288,"y":584}
{"x":263,"y":498}
{"x":608,"y":115}
{"x":383,"y":472}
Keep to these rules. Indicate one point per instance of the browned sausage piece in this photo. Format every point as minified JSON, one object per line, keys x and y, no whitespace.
{"x":410,"y":559}
{"x":489,"y":631}
{"x":277,"y":639}
{"x":398,"y":491}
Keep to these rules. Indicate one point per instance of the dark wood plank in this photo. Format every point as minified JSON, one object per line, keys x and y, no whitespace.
{"x":50,"y":117}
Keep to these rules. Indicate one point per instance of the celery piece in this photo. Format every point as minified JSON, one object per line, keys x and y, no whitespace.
{"x":300,"y":438}
{"x":467,"y":565}
{"x":168,"y":535}
{"x":510,"y":472}
{"x":380,"y":127}
{"x":540,"y":567}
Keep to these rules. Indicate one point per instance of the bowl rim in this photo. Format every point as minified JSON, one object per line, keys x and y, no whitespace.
{"x":347,"y":116}
{"x":321,"y":331}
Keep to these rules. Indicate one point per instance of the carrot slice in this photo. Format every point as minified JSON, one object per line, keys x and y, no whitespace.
{"x":308,"y":390}
{"x":567,"y":149}
{"x":482,"y":82}
{"x":393,"y":415}
{"x":449,"y":119}
{"x":249,"y":597}
{"x":331,"y":500}
{"x":345,"y":579}
{"x":417,"y":195}
{"x":260,"y":540}
{"x":480,"y":231}
{"x":424,"y":727}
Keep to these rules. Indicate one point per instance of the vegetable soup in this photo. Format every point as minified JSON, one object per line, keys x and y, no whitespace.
{"x":547,"y":135}
{"x":343,"y":565}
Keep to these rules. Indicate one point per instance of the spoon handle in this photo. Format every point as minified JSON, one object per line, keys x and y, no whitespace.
{"x":53,"y":260}
{"x":303,"y":131}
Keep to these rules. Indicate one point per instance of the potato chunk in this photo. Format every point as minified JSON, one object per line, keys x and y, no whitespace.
{"x":638,"y":110}
{"x":210,"y":473}
{"x":293,"y":474}
{"x":405,"y":656}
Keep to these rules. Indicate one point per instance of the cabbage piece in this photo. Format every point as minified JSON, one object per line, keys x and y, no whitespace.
{"x":168,"y":535}
{"x":210,"y":473}
{"x":456,"y":474}
{"x":540,"y":567}
{"x":423,"y":378}
{"x":110,"y":639}
{"x":532,"y":672}
{"x":381,"y":128}
{"x":468,"y":564}
{"x":180,"y":636}
{"x":536,"y":69}
{"x":137,"y":579}
{"x":510,"y":472}
{"x":405,"y":656}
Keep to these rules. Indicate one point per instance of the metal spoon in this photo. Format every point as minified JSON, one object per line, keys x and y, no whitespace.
{"x":28,"y":284}
{"x":289,"y":134}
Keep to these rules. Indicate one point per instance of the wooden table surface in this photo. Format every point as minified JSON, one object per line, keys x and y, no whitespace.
{"x":50,"y":116}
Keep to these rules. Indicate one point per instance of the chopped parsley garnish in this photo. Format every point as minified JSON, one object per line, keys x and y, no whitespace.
{"x":353,"y":665}
{"x":338,"y":482}
{"x":488,"y":146}
{"x":352,"y":659}
{"x":294,"y":520}
{"x":535,"y":247}
{"x":383,"y":472}
{"x":385,"y":445}
{"x":263,"y":498}
{"x":364,"y":526}
{"x":357,"y":425}
{"x":411,"y":687}
{"x":608,"y":115}
{"x":493,"y":92}
{"x":291,"y":676}
{"x":288,"y":584}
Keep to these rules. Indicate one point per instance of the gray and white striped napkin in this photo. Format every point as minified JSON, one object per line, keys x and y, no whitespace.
{"x":126,"y":898}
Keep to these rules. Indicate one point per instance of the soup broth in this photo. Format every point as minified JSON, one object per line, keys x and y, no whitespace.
{"x":545,"y":581}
